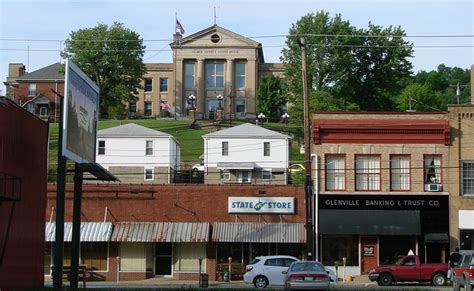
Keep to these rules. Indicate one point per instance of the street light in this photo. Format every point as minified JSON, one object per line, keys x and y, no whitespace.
{"x":260,"y":117}
{"x":192,"y":98}
{"x":220,"y":97}
{"x":285,"y":117}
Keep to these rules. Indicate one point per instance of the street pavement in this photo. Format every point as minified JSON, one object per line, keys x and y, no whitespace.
{"x":359,"y":283}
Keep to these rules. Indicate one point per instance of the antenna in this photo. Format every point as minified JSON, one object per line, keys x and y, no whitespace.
{"x":215,"y":16}
{"x":27,"y":58}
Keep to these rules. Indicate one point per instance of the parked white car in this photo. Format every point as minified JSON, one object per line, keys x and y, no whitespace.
{"x":270,"y":270}
{"x":267,"y":270}
{"x":199,"y":167}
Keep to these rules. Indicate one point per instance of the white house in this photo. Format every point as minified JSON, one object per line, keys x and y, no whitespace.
{"x":246,"y":154}
{"x":137,"y":154}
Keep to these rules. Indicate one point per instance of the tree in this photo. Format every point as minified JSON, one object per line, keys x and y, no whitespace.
{"x":422,"y":98}
{"x":113,"y":58}
{"x":363,"y":67}
{"x":271,"y":96}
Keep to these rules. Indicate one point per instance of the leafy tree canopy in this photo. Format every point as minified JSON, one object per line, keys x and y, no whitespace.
{"x":271,"y":96}
{"x":358,"y":68}
{"x":112,"y":56}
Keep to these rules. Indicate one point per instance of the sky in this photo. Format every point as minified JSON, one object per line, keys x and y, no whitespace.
{"x":32,"y":32}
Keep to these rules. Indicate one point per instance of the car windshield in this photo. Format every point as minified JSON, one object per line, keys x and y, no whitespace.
{"x":307,"y":266}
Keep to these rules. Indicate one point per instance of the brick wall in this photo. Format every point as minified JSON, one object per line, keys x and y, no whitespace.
{"x":171,"y":203}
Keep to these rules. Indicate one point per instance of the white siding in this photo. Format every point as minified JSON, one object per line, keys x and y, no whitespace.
{"x":131,"y":152}
{"x":247,"y":150}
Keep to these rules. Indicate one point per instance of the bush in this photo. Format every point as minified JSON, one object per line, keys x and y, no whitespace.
{"x":164,"y":113}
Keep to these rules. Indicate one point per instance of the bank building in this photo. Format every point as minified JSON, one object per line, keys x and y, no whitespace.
{"x":211,"y":68}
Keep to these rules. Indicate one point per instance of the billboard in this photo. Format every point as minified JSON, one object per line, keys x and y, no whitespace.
{"x":80,"y":115}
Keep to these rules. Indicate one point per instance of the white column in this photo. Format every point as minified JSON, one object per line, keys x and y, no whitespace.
{"x":200,"y":89}
{"x":229,"y":84}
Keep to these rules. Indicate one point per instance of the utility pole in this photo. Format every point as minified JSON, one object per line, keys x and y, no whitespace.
{"x":308,"y":185}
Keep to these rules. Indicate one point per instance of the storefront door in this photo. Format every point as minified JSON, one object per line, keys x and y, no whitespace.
{"x":368,"y":253}
{"x":163,"y":259}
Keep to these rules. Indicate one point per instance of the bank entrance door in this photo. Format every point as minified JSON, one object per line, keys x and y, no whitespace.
{"x":368,"y":246}
{"x":163,"y":259}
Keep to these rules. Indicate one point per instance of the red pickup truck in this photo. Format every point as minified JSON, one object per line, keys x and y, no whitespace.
{"x":464,"y":272}
{"x":408,"y":268}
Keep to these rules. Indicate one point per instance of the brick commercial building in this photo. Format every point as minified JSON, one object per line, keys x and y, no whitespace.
{"x":163,"y":230}
{"x":23,"y":182}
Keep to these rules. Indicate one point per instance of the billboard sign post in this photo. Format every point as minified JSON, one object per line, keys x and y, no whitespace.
{"x":81,"y":109}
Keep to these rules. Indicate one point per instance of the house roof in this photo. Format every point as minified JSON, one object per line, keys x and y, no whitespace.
{"x":246,"y":130}
{"x":51,"y":72}
{"x":131,"y":130}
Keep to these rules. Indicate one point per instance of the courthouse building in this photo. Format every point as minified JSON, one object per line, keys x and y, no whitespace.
{"x":206,"y":64}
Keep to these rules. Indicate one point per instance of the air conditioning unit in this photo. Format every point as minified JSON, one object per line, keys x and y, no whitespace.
{"x":433,"y":187}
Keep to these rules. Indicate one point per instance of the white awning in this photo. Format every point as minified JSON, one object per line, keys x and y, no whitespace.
{"x":235,"y":166}
{"x":90,"y":231}
{"x":161,"y":232}
{"x":259,"y":232}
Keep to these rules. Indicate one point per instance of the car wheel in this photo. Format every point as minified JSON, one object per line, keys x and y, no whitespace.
{"x":385,"y":280}
{"x":260,"y":282}
{"x":438,"y":279}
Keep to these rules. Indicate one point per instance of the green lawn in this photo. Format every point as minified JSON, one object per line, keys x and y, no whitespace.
{"x":190,"y":140}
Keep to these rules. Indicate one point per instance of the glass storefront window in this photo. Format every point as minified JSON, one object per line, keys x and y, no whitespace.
{"x":467,"y":239}
{"x":390,"y":247}
{"x":334,"y":248}
{"x":186,"y":257}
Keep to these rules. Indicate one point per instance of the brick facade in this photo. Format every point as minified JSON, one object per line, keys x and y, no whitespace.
{"x":171,"y":203}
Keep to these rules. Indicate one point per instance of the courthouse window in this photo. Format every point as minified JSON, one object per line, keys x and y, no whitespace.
{"x":189,"y":76}
{"x":163,"y":84}
{"x":215,"y":75}
{"x":335,"y":173}
{"x":240,"y":106}
{"x":240,"y":75}
{"x":148,"y":85}
{"x":400,"y":173}
{"x":368,"y":173}
{"x":132,"y":107}
{"x":148,"y":108}
{"x":467,"y":177}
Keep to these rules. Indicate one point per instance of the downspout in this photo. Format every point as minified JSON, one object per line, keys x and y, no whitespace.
{"x":315,"y":163}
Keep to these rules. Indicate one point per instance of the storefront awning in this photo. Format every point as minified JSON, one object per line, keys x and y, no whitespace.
{"x":369,"y":222}
{"x":440,"y":238}
{"x":90,"y":231}
{"x":161,"y":232}
{"x":235,"y":166}
{"x":259,"y":232}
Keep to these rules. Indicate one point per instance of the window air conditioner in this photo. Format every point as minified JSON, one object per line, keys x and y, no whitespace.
{"x":433,"y":187}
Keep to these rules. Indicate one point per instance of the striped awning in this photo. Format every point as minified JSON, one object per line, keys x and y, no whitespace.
{"x":259,"y":232}
{"x":161,"y":232}
{"x":90,"y":231}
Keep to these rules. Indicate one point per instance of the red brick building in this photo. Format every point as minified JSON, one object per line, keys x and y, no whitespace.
{"x":23,"y":186}
{"x":163,"y":230}
{"x":33,"y":90}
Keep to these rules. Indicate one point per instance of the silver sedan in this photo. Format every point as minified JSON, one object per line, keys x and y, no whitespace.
{"x":306,"y":275}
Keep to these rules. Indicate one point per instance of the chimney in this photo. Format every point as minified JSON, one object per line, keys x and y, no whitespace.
{"x":472,"y":84}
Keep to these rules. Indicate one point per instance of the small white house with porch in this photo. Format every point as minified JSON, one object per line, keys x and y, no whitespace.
{"x":137,"y":154}
{"x":247,"y":154}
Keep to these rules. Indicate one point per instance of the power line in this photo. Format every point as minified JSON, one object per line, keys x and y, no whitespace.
{"x":250,"y":37}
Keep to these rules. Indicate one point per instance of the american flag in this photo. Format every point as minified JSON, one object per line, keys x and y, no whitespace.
{"x":179,"y":27}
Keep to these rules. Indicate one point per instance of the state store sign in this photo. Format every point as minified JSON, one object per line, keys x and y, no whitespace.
{"x":275,"y":205}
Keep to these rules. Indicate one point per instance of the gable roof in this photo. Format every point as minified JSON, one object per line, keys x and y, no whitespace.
{"x":217,"y":28}
{"x":131,"y":130}
{"x":246,"y":130}
{"x":51,"y":72}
